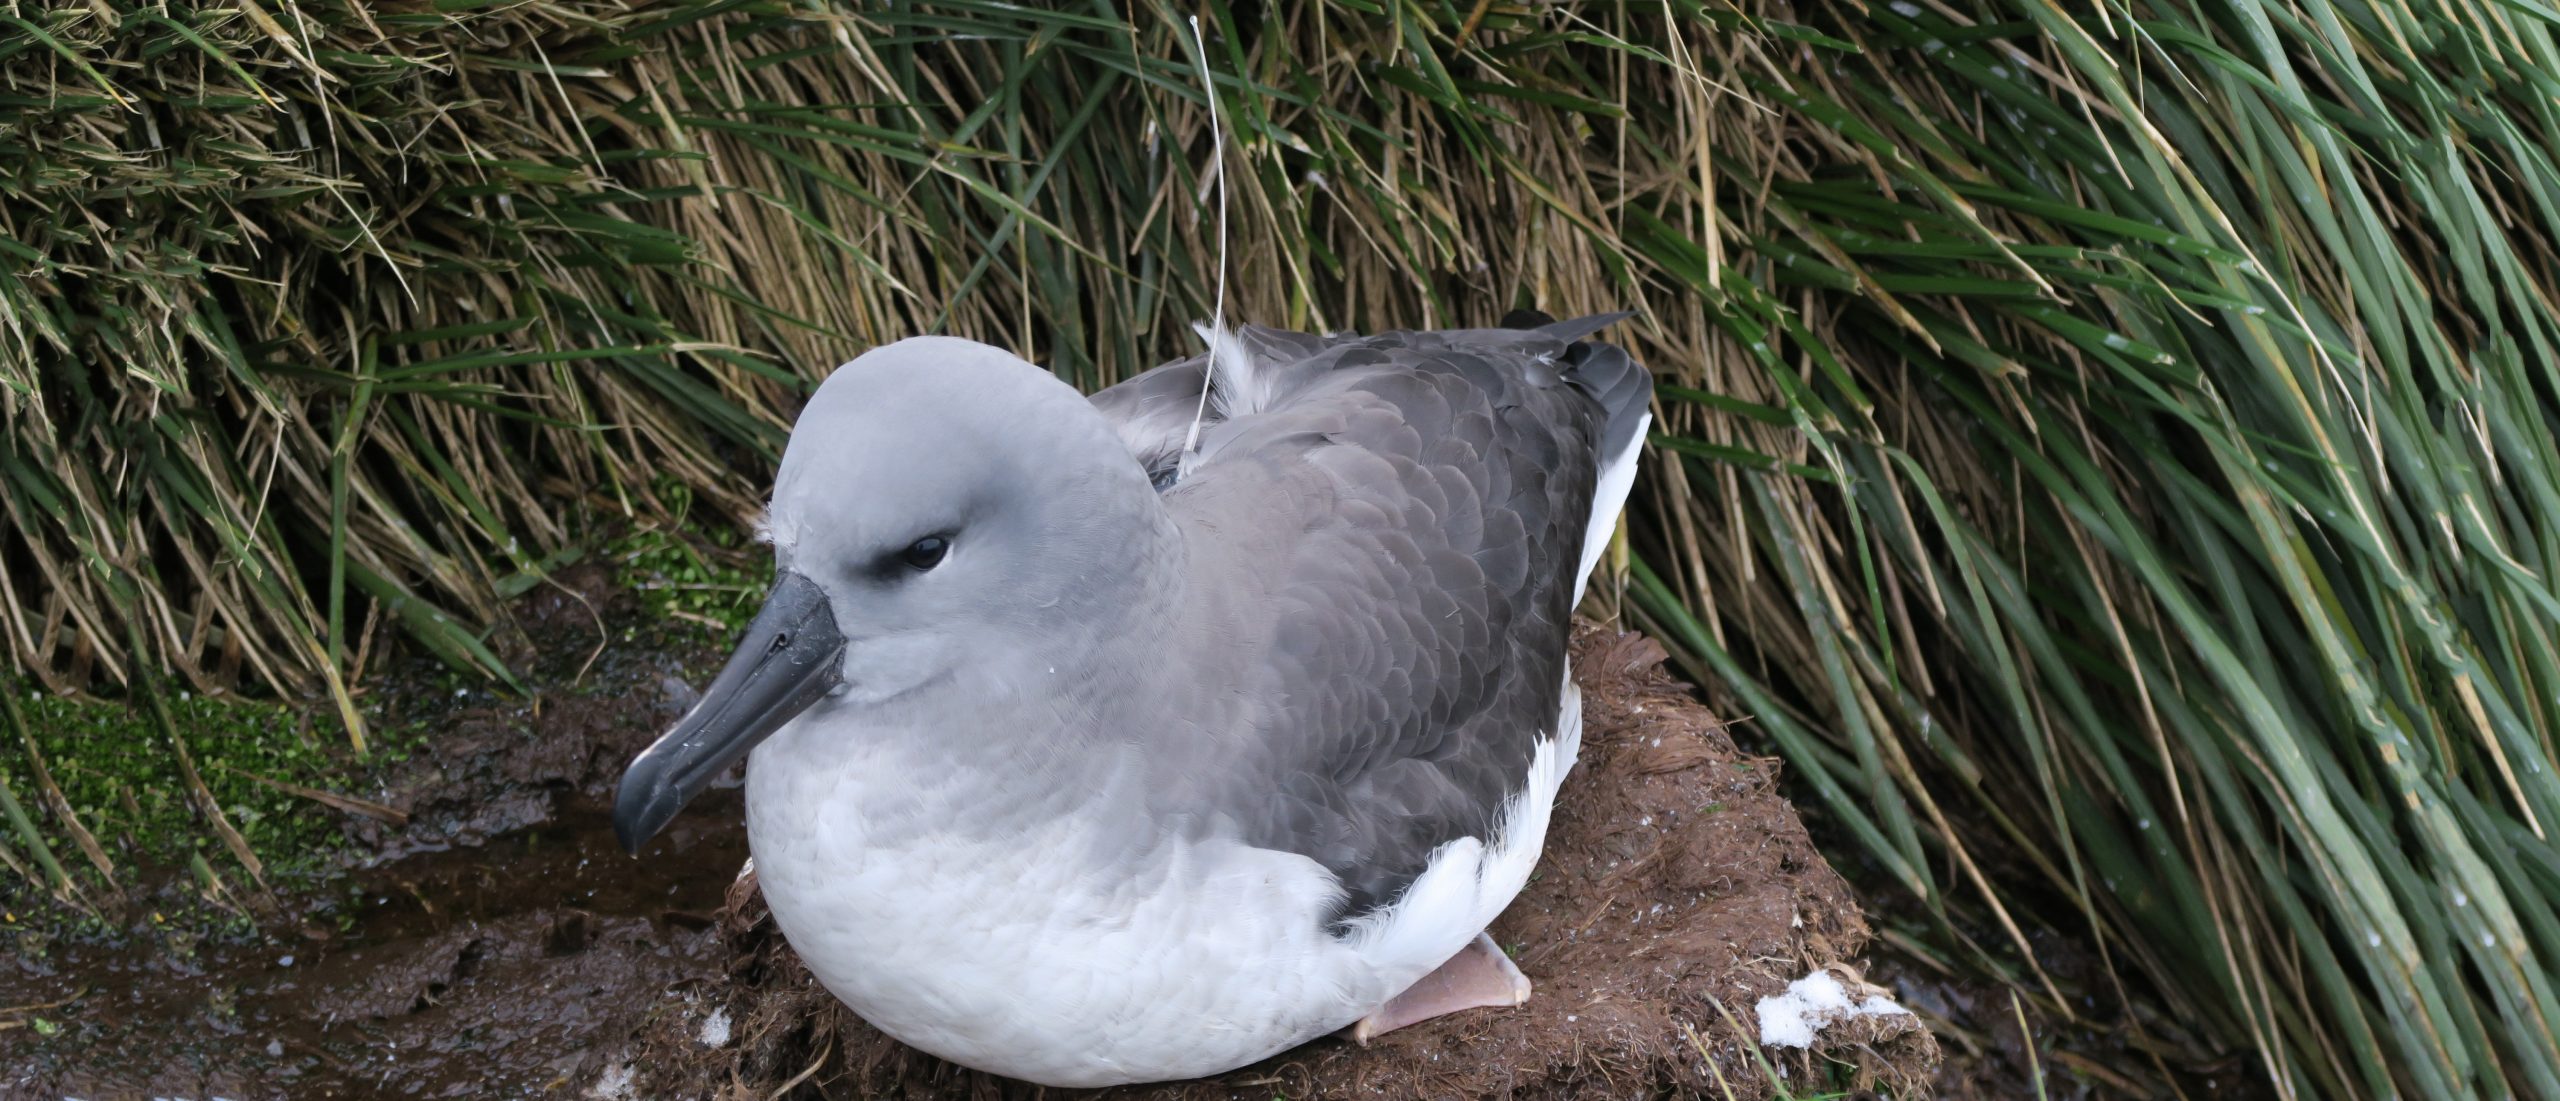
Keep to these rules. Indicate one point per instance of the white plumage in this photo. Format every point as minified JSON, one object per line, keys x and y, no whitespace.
{"x":946,"y":943}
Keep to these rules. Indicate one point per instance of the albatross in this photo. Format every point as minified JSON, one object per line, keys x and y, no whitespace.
{"x":1142,"y":736}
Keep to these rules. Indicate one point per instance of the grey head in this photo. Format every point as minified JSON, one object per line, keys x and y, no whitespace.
{"x":948,"y":522}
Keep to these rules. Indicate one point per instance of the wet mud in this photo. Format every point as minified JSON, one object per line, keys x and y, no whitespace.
{"x":506,"y":970}
{"x":489,"y":939}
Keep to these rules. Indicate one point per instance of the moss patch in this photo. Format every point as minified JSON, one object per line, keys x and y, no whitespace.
{"x":707,"y":576}
{"x":117,"y":775}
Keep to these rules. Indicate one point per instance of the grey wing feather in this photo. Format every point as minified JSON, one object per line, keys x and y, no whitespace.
{"x":1153,"y":411}
{"x":1409,"y":510}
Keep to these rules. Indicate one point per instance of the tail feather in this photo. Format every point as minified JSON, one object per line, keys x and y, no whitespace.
{"x":1624,"y":390}
{"x":1606,"y":372}
{"x":1621,"y":385}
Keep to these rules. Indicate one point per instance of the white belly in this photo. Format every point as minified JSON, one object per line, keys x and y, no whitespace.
{"x":1031,"y":956}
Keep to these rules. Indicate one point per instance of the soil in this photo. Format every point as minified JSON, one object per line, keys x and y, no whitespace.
{"x":495,"y":943}
{"x":498,"y":943}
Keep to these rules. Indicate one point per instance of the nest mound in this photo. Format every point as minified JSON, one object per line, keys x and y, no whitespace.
{"x":1677,"y":889}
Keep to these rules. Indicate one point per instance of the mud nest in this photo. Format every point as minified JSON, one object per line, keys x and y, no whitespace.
{"x":1677,"y":889}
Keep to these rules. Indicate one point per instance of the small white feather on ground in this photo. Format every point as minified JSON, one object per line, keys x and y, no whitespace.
{"x":615,"y":1084}
{"x":1813,"y":1003}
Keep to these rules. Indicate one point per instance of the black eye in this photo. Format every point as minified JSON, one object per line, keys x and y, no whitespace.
{"x":925,"y":553}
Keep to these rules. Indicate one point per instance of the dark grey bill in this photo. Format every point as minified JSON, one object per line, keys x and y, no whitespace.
{"x":788,"y":659}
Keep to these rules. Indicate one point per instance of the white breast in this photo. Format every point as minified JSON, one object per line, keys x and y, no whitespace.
{"x":1067,"y":956}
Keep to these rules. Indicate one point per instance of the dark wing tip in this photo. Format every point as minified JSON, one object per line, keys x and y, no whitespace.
{"x":1545,"y":324}
{"x":1621,"y":385}
{"x":1613,"y":378}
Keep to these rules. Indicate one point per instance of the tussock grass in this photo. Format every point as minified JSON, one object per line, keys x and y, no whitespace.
{"x":2110,"y":448}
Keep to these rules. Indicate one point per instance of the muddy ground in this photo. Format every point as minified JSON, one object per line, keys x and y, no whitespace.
{"x":498,"y":944}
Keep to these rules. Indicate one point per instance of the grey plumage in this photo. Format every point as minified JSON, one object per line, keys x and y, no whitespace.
{"x":1411,"y":507}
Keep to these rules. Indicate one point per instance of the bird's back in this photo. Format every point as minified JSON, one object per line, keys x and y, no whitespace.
{"x":1394,"y":529}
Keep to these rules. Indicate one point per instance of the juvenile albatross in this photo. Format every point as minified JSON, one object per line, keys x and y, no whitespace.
{"x":1085,"y":758}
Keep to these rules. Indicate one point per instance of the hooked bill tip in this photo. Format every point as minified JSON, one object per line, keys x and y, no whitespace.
{"x":641,"y":808}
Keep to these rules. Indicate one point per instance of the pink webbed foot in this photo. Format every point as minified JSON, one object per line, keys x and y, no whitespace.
{"x":1480,"y":976}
